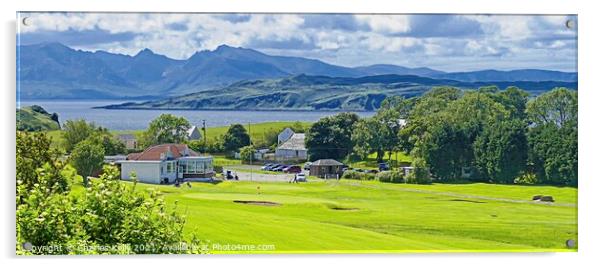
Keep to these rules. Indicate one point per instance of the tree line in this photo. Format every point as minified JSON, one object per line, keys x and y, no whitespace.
{"x":492,"y":135}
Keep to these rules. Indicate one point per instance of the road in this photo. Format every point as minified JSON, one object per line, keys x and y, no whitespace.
{"x":257,"y":176}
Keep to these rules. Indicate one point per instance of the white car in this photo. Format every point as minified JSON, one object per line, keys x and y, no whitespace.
{"x":300,"y":177}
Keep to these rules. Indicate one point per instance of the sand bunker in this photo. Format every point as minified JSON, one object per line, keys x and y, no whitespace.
{"x":255,"y":202}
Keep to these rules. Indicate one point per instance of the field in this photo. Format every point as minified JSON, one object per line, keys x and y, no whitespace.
{"x":371,"y":163}
{"x":368,"y":216}
{"x":257,"y":130}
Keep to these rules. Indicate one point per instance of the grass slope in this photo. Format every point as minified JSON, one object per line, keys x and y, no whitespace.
{"x":381,"y":217}
{"x":29,"y":119}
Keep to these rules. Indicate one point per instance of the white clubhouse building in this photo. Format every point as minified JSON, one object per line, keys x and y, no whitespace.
{"x":164,"y":164}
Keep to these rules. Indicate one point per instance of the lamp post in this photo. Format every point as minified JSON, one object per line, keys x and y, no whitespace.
{"x":252,"y":152}
{"x":204,"y":138}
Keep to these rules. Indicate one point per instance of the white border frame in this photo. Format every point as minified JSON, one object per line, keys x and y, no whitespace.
{"x":589,"y":143}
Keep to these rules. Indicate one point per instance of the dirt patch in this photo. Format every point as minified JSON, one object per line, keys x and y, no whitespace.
{"x":256,"y":202}
{"x":466,"y":200}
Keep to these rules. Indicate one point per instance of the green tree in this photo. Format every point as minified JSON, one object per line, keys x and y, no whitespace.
{"x":442,"y":129}
{"x":32,"y":152}
{"x":553,"y":136}
{"x":75,"y":131}
{"x":87,"y":158}
{"x":514,"y":100}
{"x":501,"y":150}
{"x":165,"y":129}
{"x":366,"y":138}
{"x":330,"y":137}
{"x":109,"y":143}
{"x":247,"y":153}
{"x":558,"y":106}
{"x":554,"y":153}
{"x":235,"y":138}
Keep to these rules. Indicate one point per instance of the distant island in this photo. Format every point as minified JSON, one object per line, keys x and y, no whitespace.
{"x":303,"y":92}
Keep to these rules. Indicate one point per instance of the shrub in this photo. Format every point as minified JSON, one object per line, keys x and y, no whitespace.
{"x":527,"y":178}
{"x":108,"y":214}
{"x":390,"y":177}
{"x":358,"y":175}
{"x":420,"y":174}
{"x":218,"y":169}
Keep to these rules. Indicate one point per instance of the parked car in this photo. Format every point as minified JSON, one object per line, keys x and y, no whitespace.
{"x":268,"y":166}
{"x":292,"y":169}
{"x":280,"y":168}
{"x":300,"y":177}
{"x":383,"y":167}
{"x":273,"y":167}
{"x":307,"y":166}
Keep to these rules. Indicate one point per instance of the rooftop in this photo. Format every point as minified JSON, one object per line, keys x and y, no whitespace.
{"x":326,"y":162}
{"x":296,"y":142}
{"x":163,"y":151}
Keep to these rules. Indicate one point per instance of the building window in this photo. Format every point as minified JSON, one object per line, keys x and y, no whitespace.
{"x":200,"y":168}
{"x":191,"y":166}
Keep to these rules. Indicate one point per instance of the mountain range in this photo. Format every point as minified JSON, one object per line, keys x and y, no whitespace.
{"x":55,"y":71}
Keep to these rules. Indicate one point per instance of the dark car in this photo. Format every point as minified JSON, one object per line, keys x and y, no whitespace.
{"x":268,"y":166}
{"x":292,"y":169}
{"x":383,"y":166}
{"x":280,"y":168}
{"x":273,"y":167}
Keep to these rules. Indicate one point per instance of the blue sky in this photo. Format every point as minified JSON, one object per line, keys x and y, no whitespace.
{"x":444,"y":42}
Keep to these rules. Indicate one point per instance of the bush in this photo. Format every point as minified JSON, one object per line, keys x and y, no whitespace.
{"x":420,"y":174}
{"x":108,"y":214}
{"x":218,"y":169}
{"x":390,"y":177}
{"x":527,"y":178}
{"x":358,"y":175}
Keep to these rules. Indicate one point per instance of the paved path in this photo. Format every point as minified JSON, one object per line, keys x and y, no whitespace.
{"x":260,"y":177}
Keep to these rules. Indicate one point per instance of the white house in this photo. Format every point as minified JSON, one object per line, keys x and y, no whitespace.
{"x":285,"y":135}
{"x":194,"y":133}
{"x":293,"y":148}
{"x":165,"y":164}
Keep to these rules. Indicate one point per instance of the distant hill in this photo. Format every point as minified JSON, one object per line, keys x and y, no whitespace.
{"x":304,"y":92}
{"x":55,"y":71}
{"x":380,"y":69}
{"x":35,"y":118}
{"x":530,"y":75}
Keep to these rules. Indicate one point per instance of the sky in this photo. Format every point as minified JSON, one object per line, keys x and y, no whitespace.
{"x":443,"y":42}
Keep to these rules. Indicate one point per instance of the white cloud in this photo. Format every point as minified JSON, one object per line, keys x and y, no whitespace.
{"x":385,"y":23}
{"x":375,"y":38}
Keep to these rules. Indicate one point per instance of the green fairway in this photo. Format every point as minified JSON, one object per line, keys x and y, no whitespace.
{"x":368,"y":216}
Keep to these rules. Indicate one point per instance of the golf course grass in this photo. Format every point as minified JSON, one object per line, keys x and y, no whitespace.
{"x":350,"y":216}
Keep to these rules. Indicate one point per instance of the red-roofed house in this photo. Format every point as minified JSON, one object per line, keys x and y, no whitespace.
{"x":165,"y":163}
